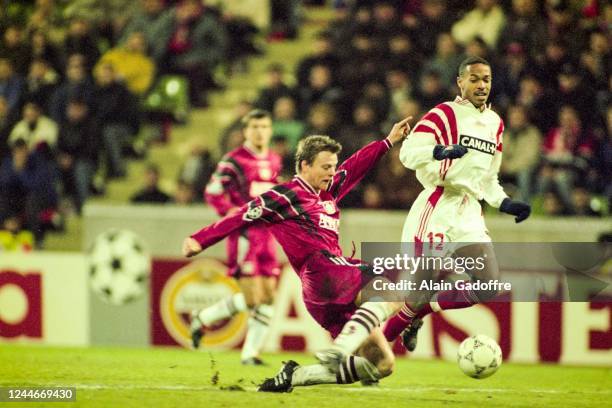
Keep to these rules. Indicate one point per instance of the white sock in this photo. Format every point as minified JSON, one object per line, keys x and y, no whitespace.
{"x":354,"y":368}
{"x":312,"y":375}
{"x":258,"y":326}
{"x":223,"y":309}
{"x":358,"y":328}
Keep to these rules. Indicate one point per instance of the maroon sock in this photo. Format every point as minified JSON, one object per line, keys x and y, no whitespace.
{"x":398,"y":323}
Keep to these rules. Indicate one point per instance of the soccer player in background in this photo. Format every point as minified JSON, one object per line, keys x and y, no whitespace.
{"x":456,"y":151}
{"x":241,"y":175}
{"x":304,"y":217}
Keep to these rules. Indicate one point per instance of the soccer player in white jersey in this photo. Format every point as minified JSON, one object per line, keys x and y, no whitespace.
{"x":456,"y":151}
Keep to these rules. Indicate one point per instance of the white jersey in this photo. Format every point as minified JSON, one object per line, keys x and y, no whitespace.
{"x":458,"y":122}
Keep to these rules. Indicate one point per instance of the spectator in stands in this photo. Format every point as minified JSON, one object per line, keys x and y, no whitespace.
{"x":386,"y":22}
{"x":477,"y":47}
{"x":596,"y":63}
{"x":286,"y":123}
{"x":232,"y":137}
{"x":524,"y":26}
{"x":80,"y":40}
{"x":402,"y":52}
{"x":77,"y":84}
{"x":549,"y":65}
{"x":320,"y":88}
{"x":398,"y":186}
{"x":567,"y":150}
{"x":46,"y":17}
{"x":584,"y":204}
{"x":191,"y":42}
{"x":117,"y":116}
{"x":275,"y":88}
{"x":400,"y":90}
{"x":372,"y":197}
{"x":522,"y":145}
{"x":445,"y":61}
{"x":432,"y":20}
{"x":322,"y":54}
{"x":536,"y":99}
{"x":552,"y":205}
{"x":34,"y":128}
{"x":131,"y":63}
{"x":486,"y":21}
{"x":16,"y":49}
{"x":151,"y":192}
{"x":197,"y":168}
{"x":43,"y":49}
{"x":322,"y":120}
{"x":184,"y":194}
{"x":40,"y":83}
{"x":572,"y":90}
{"x":376,"y":94}
{"x":431,"y":91}
{"x":6,"y":125}
{"x":11,"y":85}
{"x":146,"y":20}
{"x":506,"y":81}
{"x":27,"y":187}
{"x":360,"y":61}
{"x":13,"y":237}
{"x":362,"y":130}
{"x":78,"y":151}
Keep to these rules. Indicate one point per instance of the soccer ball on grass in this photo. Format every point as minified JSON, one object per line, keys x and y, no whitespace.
{"x":479,"y":356}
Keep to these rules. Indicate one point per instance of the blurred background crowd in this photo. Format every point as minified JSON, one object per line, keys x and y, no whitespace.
{"x":80,"y":79}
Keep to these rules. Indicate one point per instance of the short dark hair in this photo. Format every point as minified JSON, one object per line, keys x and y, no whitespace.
{"x":471,"y":61}
{"x":309,"y":147}
{"x":254,"y":114}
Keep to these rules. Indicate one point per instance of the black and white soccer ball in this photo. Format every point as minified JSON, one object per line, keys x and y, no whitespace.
{"x":119,"y":266}
{"x":479,"y":356}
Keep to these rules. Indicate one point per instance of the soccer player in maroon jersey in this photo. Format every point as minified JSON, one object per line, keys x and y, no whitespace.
{"x":242,"y":175}
{"x":303,"y":216}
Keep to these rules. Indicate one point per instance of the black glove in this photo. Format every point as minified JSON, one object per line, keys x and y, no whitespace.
{"x":518,"y":208}
{"x":455,"y":151}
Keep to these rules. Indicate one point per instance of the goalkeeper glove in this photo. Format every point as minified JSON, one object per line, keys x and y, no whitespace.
{"x":455,"y":151}
{"x":519,"y":209}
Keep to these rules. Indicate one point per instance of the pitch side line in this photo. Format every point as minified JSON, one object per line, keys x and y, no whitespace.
{"x":353,"y":389}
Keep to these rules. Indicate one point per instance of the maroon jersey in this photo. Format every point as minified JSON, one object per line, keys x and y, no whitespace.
{"x":241,"y":175}
{"x":302,"y":220}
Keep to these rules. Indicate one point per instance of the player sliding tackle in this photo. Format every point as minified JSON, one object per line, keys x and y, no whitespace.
{"x":303,"y":216}
{"x":456,"y":151}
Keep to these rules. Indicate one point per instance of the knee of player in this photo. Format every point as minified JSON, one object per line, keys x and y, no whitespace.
{"x":386,"y":366}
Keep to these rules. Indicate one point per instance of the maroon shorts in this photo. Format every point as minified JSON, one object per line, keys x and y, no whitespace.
{"x":330,"y":285}
{"x":252,"y":252}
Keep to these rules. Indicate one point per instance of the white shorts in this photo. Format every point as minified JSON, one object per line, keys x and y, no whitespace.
{"x":439,"y":216}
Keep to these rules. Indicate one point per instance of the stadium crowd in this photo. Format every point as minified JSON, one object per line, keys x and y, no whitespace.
{"x":76,"y":79}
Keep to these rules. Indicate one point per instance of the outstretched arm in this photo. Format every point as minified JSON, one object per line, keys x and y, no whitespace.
{"x":271,"y":206}
{"x":356,"y":167}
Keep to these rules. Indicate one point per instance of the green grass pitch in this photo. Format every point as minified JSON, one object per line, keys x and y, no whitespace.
{"x":169,"y":377}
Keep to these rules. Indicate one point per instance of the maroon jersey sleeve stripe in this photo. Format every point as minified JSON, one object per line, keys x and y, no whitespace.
{"x":426,"y":129}
{"x":437,"y":120}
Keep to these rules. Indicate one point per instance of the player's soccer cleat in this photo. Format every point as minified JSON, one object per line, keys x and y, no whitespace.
{"x":281,"y":382}
{"x":253,"y":361}
{"x":331,"y":359}
{"x":409,"y":335}
{"x":197,"y":329}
